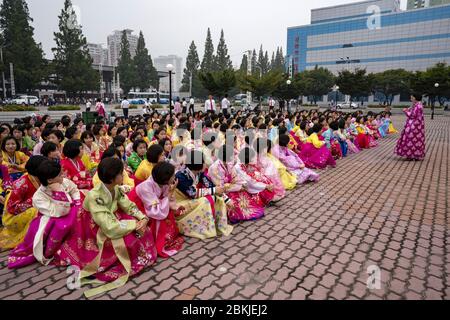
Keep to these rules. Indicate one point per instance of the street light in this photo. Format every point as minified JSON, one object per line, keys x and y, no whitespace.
{"x":336,"y":89}
{"x":436,"y":85}
{"x":170,"y":68}
{"x":288,"y":82}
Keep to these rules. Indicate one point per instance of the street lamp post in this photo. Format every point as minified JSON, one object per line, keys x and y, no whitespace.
{"x":436,"y":85}
{"x":289,"y":82}
{"x":170,"y":68}
{"x":336,"y":89}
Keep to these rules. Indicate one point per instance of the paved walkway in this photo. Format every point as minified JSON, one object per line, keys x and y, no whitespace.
{"x":317,"y":243}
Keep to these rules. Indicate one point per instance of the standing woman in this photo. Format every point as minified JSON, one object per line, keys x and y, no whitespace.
{"x":411,"y":144}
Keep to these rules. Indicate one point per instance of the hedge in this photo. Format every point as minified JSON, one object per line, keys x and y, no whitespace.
{"x":17,"y":108}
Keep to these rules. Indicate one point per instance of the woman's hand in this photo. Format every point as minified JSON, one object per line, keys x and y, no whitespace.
{"x":173,"y":185}
{"x":56,"y":187}
{"x":2,"y":200}
{"x":269,"y":187}
{"x":140,"y":226}
{"x":219,"y":191}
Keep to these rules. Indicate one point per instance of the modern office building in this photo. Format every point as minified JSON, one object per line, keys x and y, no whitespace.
{"x":99,"y":54}
{"x":416,"y":4}
{"x":349,"y":36}
{"x":161,"y":63}
{"x":114,"y":42}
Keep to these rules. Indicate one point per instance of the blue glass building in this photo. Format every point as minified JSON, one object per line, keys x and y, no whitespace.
{"x":350,"y":36}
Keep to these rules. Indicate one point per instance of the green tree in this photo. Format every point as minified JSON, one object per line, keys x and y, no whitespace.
{"x":244,"y":64}
{"x":192,"y":65}
{"x":391,"y":83}
{"x":285,"y":91}
{"x":424,"y":82}
{"x":72,"y":62}
{"x":208,"y":58}
{"x":263,"y":61}
{"x":315,"y":83}
{"x":145,"y":71}
{"x":255,"y":70}
{"x":261,"y":86}
{"x":355,"y":84}
{"x":222,"y":58}
{"x":19,"y":46}
{"x":126,"y":68}
{"x":218,"y":83}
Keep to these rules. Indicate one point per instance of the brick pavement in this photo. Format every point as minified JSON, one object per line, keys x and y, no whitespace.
{"x":317,"y":243}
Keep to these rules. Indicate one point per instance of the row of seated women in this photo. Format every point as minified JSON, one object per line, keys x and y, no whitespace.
{"x":116,"y":222}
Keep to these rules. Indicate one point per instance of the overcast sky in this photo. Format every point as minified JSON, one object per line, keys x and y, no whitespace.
{"x":170,"y":25}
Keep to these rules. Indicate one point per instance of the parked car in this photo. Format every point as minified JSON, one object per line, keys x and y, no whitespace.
{"x":26,"y":100}
{"x":137,"y":101}
{"x":347,"y":105}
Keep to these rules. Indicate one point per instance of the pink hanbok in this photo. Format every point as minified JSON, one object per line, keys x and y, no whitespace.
{"x":57,"y":212}
{"x":154,"y":201}
{"x":294,"y":164}
{"x":248,"y":199}
{"x":411,"y":144}
{"x":269,"y":169}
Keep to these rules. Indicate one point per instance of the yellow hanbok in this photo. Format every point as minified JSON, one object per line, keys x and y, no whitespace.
{"x":127,"y":181}
{"x":288,"y":179}
{"x":144,"y":171}
{"x":392,"y":129}
{"x":18,"y":212}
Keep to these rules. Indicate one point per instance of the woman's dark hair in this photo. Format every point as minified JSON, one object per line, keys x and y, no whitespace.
{"x":134,"y":135}
{"x":48,"y":147}
{"x":70,"y":132}
{"x":48,"y":170}
{"x":45,"y":117}
{"x":159,"y":130}
{"x":226,"y":153}
{"x":282,"y":130}
{"x":109,"y":169}
{"x":341,"y":123}
{"x":334,"y":125}
{"x":33,"y":164}
{"x":85,"y":135}
{"x":137,"y":143}
{"x":6,"y":140}
{"x":96,"y":129}
{"x":303,"y":125}
{"x":223,"y":127}
{"x":246,"y":155}
{"x":316,"y":128}
{"x":65,"y":121}
{"x":283,"y":140}
{"x":119,"y":141}
{"x":417,"y":96}
{"x":122,"y":129}
{"x":111,"y":152}
{"x":58,"y":134}
{"x":154,"y":152}
{"x":19,"y":127}
{"x":162,"y":142}
{"x":162,"y":173}
{"x":195,"y":160}
{"x":72,"y":148}
{"x":208,"y":139}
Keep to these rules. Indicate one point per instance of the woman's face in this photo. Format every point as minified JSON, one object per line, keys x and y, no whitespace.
{"x":54,"y":155}
{"x":60,"y":127}
{"x":121,"y":150}
{"x":168,"y":146}
{"x":162,"y":135}
{"x":17,"y":134}
{"x":124,"y":133}
{"x":88,"y":141}
{"x":53,"y":138}
{"x":162,"y":157}
{"x":171,"y":180}
{"x":81,"y":152}
{"x":141,"y":132}
{"x":413,"y":99}
{"x":10,"y":146}
{"x":118,"y":180}
{"x":141,"y":150}
{"x":113,"y":132}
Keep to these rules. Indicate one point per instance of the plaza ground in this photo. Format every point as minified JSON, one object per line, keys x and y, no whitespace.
{"x":317,"y":243}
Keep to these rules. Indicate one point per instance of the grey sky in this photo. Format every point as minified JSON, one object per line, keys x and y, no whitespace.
{"x":170,"y":25}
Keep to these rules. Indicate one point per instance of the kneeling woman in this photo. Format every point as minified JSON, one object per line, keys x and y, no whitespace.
{"x":153,"y":197}
{"x":111,"y":240}
{"x":205,"y":214}
{"x":57,"y":201}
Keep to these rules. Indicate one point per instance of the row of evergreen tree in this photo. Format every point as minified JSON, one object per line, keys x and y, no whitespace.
{"x":221,"y":61}
{"x":71,"y":69}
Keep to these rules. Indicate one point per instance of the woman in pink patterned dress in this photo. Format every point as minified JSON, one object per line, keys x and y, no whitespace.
{"x":411,"y":144}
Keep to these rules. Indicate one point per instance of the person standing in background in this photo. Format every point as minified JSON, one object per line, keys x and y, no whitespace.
{"x":225,"y":105}
{"x":125,"y":106}
{"x":210,"y":105}
{"x":88,"y":105}
{"x":184,"y":104}
{"x":191,"y":106}
{"x":100,"y":108}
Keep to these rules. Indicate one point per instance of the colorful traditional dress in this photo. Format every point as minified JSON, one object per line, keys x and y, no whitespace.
{"x":269,"y":169}
{"x":75,"y":170}
{"x":255,"y":182}
{"x":92,"y":155}
{"x":19,"y":212}
{"x":5,"y":185}
{"x":363,"y":137}
{"x":144,"y":171}
{"x":103,"y":242}
{"x":247,"y":206}
{"x":315,"y":153}
{"x":154,"y":200}
{"x":295,"y":165}
{"x":206,"y":213}
{"x":127,"y":181}
{"x":411,"y":144}
{"x":332,"y":143}
{"x":288,"y":179}
{"x":134,"y":160}
{"x":57,"y":212}
{"x":19,"y":158}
